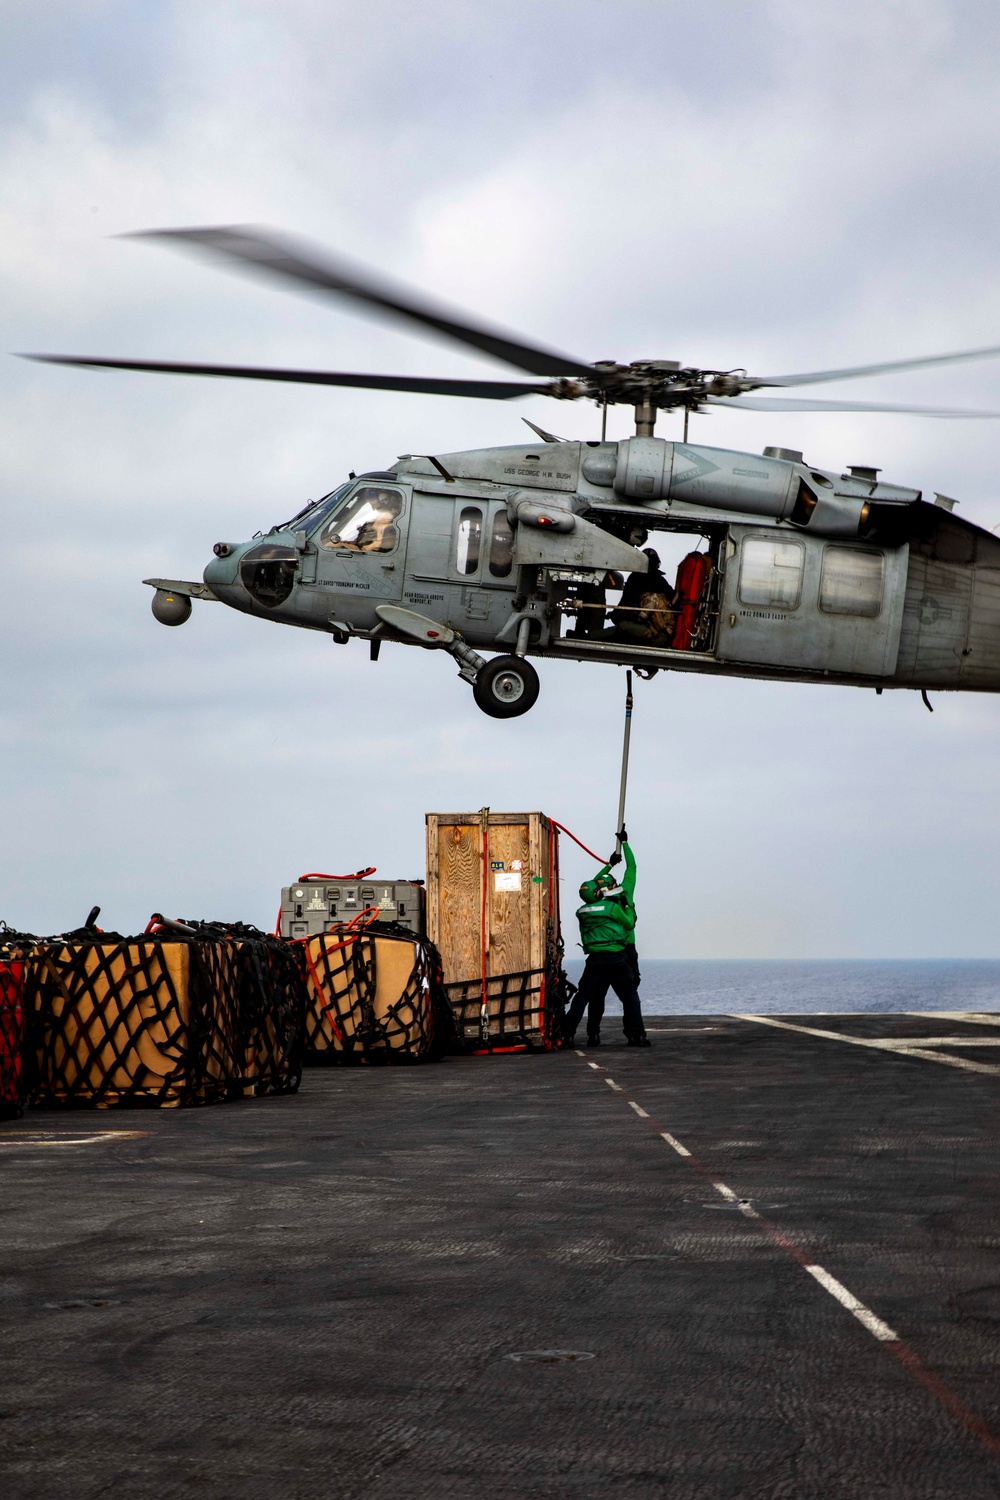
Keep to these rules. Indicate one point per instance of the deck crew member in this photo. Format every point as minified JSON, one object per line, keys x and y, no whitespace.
{"x":607,"y":934}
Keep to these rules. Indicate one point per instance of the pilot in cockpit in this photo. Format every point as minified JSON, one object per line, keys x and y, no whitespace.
{"x":367,"y":524}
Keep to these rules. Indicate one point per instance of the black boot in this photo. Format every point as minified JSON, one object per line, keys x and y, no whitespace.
{"x":593,"y":1038}
{"x":639,"y":1041}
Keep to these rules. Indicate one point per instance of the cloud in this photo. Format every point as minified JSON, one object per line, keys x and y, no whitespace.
{"x":745,"y":184}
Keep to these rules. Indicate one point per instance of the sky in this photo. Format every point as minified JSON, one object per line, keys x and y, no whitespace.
{"x":757,"y":183}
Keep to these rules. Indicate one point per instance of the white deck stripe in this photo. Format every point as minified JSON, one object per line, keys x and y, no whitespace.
{"x":864,"y":1315}
{"x":672,"y":1141}
{"x":612,"y":1085}
{"x":902,"y":1049}
{"x":974,"y":1017}
{"x":950,"y":1041}
{"x":847,"y":1299}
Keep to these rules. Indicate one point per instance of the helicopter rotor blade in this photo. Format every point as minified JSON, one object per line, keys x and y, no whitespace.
{"x":489,"y":390}
{"x":794,"y":403}
{"x":274,"y":255}
{"x":816,"y":376}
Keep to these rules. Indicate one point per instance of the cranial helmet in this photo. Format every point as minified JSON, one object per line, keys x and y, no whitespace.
{"x":591,"y":890}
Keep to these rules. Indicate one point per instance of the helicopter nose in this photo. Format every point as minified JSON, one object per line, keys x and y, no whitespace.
{"x":222,"y":568}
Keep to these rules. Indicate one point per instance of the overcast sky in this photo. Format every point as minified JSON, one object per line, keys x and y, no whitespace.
{"x":770,"y":184}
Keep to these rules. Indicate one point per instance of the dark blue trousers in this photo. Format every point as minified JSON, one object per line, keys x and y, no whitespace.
{"x":601,"y":972}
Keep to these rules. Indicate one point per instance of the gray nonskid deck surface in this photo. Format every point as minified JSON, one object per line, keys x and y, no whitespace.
{"x":315,"y":1296}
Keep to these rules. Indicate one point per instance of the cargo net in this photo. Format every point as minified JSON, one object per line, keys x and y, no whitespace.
{"x":13,"y":1051}
{"x":182,"y":1016}
{"x":375,"y":996}
{"x":522,"y":1012}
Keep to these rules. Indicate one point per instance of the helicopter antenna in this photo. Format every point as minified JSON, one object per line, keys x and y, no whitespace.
{"x":546,"y":437}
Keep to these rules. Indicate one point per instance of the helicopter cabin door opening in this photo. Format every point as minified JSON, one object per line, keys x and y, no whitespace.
{"x":799,"y":601}
{"x":672,"y":607}
{"x":360,"y":543}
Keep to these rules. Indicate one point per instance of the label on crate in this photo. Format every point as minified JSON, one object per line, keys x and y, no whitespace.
{"x":507,"y":880}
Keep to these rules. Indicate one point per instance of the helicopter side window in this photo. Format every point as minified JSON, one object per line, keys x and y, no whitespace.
{"x":366,"y":523}
{"x":771,"y":573}
{"x":470,"y":537}
{"x":501,"y":545}
{"x":851,"y":582}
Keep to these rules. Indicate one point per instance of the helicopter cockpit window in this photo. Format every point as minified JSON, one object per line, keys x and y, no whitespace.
{"x":771,"y":573}
{"x":501,"y":545}
{"x":851,"y":582}
{"x":315,"y":511}
{"x":470,"y":536}
{"x":366,"y":523}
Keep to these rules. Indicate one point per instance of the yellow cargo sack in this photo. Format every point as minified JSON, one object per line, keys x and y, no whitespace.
{"x":146,"y":1020}
{"x":373,"y":996}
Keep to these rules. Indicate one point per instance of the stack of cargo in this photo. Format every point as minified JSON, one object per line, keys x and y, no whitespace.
{"x":185,"y":1014}
{"x":493,"y":912}
{"x":373,"y":980}
{"x":374,"y":996}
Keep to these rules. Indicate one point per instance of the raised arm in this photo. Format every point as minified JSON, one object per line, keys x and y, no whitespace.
{"x":628,"y":879}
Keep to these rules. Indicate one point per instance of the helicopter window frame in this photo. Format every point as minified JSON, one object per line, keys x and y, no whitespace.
{"x":778,"y":581}
{"x":379,"y":541}
{"x":501,"y":549}
{"x":848,"y":588}
{"x":469,"y":540}
{"x":315,"y":512}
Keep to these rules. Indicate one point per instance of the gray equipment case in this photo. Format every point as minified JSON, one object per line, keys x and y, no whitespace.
{"x":314,"y":906}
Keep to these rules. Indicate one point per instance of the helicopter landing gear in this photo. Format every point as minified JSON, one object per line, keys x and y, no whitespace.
{"x":506,"y":687}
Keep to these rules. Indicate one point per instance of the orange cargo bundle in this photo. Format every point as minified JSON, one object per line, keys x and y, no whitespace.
{"x":374,"y":995}
{"x":189,"y":1014}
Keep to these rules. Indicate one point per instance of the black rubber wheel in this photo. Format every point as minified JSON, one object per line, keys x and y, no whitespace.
{"x":506,"y":687}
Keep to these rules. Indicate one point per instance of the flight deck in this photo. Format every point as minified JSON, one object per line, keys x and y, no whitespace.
{"x":759,"y":1259}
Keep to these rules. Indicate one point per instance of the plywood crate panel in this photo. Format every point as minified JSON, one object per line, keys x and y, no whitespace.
{"x":493,"y":892}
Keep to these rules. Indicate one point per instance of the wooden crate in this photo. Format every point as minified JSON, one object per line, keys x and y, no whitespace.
{"x":493,"y":892}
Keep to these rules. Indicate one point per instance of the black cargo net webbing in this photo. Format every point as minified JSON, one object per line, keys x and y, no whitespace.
{"x":346,"y":1018}
{"x":163,"y":1019}
{"x":522,"y":1010}
{"x":269,"y":990}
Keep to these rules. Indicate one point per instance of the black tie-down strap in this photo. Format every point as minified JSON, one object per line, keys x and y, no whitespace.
{"x":375,"y":996}
{"x":522,"y":1011}
{"x":164,"y":1019}
{"x":14,"y":1076}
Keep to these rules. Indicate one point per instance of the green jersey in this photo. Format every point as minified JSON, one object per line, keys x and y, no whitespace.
{"x":608,"y":925}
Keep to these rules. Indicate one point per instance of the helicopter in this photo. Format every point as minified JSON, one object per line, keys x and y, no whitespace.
{"x":793,"y":572}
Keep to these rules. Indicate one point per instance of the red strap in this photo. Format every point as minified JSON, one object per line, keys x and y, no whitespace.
{"x":325,"y":1005}
{"x":358,"y":875}
{"x":573,"y":836}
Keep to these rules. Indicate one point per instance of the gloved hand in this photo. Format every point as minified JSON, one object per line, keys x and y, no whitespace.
{"x":621,"y":834}
{"x":615,"y":859}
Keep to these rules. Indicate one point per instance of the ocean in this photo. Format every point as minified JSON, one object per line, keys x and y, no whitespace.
{"x":798,"y":987}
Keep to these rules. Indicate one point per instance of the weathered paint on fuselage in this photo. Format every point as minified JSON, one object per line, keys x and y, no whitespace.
{"x":940,"y":620}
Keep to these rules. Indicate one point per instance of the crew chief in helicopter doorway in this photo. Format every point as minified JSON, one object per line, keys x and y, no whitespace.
{"x":607,"y":934}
